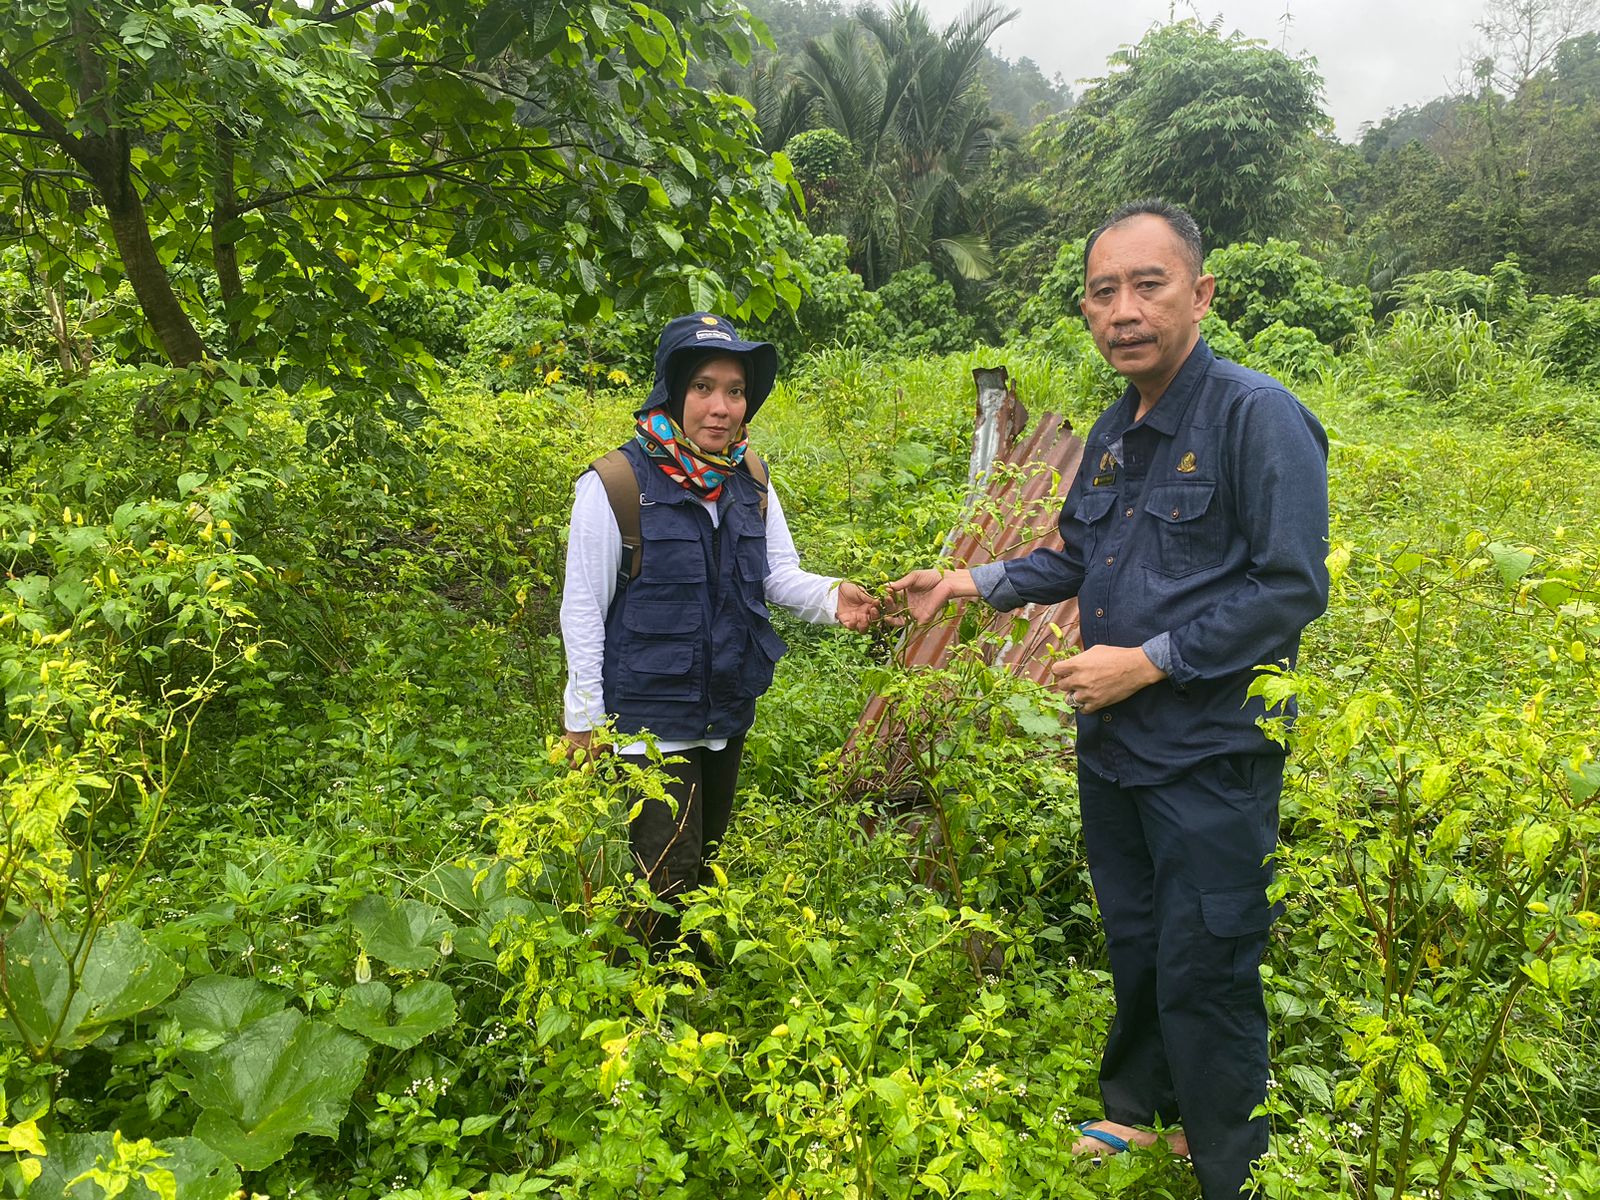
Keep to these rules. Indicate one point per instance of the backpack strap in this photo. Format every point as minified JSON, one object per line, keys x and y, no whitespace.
{"x":757,"y":471}
{"x":622,"y":490}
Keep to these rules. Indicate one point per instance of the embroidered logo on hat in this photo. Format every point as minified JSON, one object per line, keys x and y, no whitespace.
{"x":709,"y":321}
{"x":711,"y":335}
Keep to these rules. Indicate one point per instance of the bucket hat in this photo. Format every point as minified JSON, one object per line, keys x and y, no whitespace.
{"x":700,"y":335}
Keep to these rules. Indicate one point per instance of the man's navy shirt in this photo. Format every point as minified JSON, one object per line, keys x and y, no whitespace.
{"x":1201,"y":534}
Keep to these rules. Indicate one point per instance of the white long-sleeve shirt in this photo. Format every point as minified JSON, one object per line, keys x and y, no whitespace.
{"x":594,"y":556}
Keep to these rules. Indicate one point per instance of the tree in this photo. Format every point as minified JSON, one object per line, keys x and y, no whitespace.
{"x":1493,"y":174}
{"x":260,"y":171}
{"x":909,"y":100}
{"x":1225,"y":126}
{"x":1524,"y":38}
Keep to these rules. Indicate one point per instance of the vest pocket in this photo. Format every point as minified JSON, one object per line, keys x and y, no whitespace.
{"x":755,"y":670}
{"x":658,"y":653}
{"x":673,"y":553}
{"x":1189,"y":534}
{"x":662,"y":618}
{"x":660,"y":671}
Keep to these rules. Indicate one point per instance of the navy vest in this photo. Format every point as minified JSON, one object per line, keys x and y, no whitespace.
{"x":690,"y":643}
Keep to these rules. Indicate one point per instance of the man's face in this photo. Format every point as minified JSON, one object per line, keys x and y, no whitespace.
{"x":1144,"y":302}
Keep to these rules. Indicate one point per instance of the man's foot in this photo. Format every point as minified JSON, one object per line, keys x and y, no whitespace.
{"x":1102,"y":1138}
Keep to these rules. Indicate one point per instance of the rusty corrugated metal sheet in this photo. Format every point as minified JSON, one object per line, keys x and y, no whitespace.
{"x":1011,"y":511}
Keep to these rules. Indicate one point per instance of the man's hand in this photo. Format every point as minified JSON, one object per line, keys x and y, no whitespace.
{"x":926,"y":592}
{"x":857,"y":608}
{"x":1103,"y":675}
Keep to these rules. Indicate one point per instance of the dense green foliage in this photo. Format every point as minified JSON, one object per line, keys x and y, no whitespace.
{"x":299,"y":900}
{"x":262,"y":174}
{"x":1221,"y":125}
{"x":295,"y":898}
{"x":1507,"y":169}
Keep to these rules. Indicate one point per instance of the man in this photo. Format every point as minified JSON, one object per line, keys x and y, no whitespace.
{"x":1195,"y":540}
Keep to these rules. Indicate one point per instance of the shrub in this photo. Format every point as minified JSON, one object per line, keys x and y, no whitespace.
{"x":1288,"y":352}
{"x":1500,"y":296}
{"x":522,"y":340}
{"x":1222,"y":339}
{"x":919,"y":315}
{"x":1568,"y":338}
{"x":1058,"y":294}
{"x":830,"y":175}
{"x":836,"y":306}
{"x":1259,"y":284}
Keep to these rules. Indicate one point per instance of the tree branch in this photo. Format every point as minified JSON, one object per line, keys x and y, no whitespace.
{"x":327,"y":16}
{"x":437,"y":170}
{"x":49,"y":124}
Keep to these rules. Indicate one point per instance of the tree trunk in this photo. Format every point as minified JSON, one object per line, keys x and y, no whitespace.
{"x":73,"y":362}
{"x":105,"y":160}
{"x":130,"y":229}
{"x":224,"y":254}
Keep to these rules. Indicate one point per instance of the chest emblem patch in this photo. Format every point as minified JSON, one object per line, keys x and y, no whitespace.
{"x":1186,"y":464}
{"x":1106,"y":461}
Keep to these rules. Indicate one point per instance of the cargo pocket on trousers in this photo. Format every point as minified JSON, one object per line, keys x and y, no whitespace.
{"x":1243,"y":916}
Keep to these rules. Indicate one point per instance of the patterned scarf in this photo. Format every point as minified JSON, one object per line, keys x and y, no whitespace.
{"x":701,"y":471}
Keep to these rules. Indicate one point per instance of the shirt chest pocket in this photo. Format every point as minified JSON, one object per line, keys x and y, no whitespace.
{"x":1091,"y":513}
{"x":1189,"y":528}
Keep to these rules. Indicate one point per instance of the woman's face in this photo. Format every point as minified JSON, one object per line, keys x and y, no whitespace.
{"x":714,"y":403}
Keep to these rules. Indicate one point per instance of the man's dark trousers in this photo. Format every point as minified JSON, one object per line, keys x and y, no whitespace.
{"x":1180,"y":871}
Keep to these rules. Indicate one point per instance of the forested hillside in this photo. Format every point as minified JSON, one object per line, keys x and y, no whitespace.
{"x":313,"y":313}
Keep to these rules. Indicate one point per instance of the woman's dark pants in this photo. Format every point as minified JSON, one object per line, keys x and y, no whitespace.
{"x":1180,"y":871}
{"x":671,"y":848}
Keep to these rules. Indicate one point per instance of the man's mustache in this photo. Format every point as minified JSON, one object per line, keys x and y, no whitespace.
{"x":1130,"y":339}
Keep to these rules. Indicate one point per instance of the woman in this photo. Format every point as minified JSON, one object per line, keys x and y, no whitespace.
{"x":679,"y":642}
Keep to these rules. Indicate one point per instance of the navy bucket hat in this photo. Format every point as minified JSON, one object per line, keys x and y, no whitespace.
{"x":687,"y":340}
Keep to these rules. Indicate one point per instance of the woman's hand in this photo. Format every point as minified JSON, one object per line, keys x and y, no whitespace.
{"x":926,"y":592}
{"x":857,"y":609}
{"x":582,"y":746}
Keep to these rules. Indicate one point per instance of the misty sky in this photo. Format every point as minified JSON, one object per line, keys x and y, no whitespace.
{"x":1373,"y":55}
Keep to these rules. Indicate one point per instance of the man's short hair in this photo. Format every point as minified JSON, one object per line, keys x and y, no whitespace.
{"x":1177,"y":219}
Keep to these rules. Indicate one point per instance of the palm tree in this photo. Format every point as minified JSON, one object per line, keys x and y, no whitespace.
{"x":908,"y":98}
{"x":782,"y":104}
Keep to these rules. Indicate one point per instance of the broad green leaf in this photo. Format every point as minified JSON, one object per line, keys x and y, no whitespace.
{"x":279,"y":1078}
{"x":119,"y":976}
{"x":1034,"y":722}
{"x":1413,"y":1084}
{"x":225,"y":1004}
{"x":1583,"y":780}
{"x":1511,"y":562}
{"x":1553,"y":593}
{"x":400,"y":1021}
{"x":199,"y":1172}
{"x":1538,"y":839}
{"x":402,"y":933}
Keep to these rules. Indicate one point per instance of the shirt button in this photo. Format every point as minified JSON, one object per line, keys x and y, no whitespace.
{"x":1099,"y":612}
{"x":1105,"y":718}
{"x":1128,"y":512}
{"x":1110,"y":558}
{"x":1174,"y":514}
